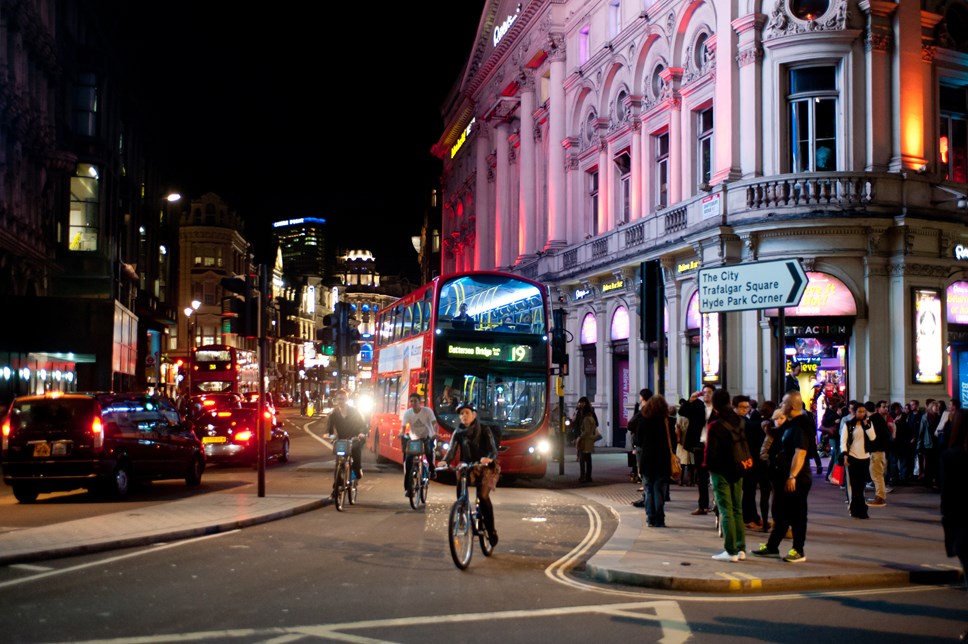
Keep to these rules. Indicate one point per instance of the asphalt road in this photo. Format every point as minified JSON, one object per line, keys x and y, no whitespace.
{"x":381,"y":572}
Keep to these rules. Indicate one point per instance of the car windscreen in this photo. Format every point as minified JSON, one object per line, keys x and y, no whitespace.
{"x":51,"y":415}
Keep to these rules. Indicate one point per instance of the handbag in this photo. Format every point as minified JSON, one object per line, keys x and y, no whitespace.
{"x":837,"y":474}
{"x":674,"y":460}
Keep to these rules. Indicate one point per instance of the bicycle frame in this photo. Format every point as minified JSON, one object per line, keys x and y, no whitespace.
{"x":345,"y":485}
{"x":464,"y":525}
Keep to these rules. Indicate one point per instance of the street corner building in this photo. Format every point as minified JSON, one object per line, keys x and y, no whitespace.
{"x":617,"y":150}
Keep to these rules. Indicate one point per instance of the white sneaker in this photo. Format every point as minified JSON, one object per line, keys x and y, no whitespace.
{"x":741,"y":555}
{"x":725,"y":556}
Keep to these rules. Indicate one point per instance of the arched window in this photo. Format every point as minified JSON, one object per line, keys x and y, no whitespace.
{"x":620,"y":324}
{"x":589,"y":329}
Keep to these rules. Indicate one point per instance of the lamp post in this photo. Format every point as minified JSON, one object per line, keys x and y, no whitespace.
{"x":190,"y":332}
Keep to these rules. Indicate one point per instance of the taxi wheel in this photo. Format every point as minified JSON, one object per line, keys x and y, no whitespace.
{"x":119,"y":483}
{"x":284,"y":454}
{"x":194,"y":476}
{"x":24,"y":493}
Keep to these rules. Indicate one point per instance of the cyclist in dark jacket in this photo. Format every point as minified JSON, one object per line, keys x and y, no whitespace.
{"x":476,"y":445}
{"x":346,"y":422}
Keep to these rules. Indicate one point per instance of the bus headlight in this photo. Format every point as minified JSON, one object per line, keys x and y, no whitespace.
{"x":543,"y":447}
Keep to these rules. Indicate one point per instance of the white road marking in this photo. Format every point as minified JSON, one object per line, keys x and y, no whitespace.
{"x":33,"y":567}
{"x":102,"y":562}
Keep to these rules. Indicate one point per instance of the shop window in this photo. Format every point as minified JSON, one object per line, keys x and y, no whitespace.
{"x":812,"y":102}
{"x":85,"y":206}
{"x":704,"y":146}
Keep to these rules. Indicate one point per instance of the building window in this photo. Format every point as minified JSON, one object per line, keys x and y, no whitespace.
{"x":953,"y":143}
{"x":85,"y":104}
{"x":813,"y":119}
{"x":593,"y":200}
{"x":614,"y":18}
{"x":85,"y":205}
{"x":583,"y":44}
{"x":208,"y":261}
{"x":623,"y":164}
{"x":657,"y":82}
{"x":661,"y":154}
{"x":704,"y":152}
{"x":809,"y":9}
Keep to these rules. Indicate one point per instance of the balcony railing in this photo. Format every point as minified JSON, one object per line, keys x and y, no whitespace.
{"x":750,"y":202}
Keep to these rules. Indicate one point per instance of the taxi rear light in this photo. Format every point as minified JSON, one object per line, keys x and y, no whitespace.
{"x":6,"y":433}
{"x":208,"y":403}
{"x":97,"y":432}
{"x":224,"y":414}
{"x":53,"y":394}
{"x":243,"y":437}
{"x":268,"y":414}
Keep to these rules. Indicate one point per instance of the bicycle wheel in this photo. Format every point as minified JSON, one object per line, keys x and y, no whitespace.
{"x":415,"y":486}
{"x":424,"y":484}
{"x":486,"y":546}
{"x":461,"y":534}
{"x":338,"y":486}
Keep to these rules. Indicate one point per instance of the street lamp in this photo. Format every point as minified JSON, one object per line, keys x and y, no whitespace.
{"x":191,"y":325}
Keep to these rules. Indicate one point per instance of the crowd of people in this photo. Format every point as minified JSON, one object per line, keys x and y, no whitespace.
{"x":758,"y":459}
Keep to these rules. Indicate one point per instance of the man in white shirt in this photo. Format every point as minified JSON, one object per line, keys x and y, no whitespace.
{"x":419,"y":423}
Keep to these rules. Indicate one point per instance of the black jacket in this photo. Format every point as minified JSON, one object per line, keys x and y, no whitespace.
{"x":474,"y":442}
{"x":695,"y":412}
{"x":656,"y":457}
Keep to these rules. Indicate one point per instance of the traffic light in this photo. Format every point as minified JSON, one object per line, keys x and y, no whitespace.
{"x":558,"y":339}
{"x":350,"y":329}
{"x":242,"y":307}
{"x":330,"y":334}
{"x":652,"y":301}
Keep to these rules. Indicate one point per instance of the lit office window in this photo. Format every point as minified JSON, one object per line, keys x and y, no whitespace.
{"x":85,"y":205}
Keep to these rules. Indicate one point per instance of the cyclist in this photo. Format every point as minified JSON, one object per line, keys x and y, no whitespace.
{"x":476,"y":444}
{"x":418,"y":422}
{"x":346,"y":422}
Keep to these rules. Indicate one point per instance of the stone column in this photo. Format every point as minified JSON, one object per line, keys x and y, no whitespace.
{"x":527,"y":242}
{"x":484,"y":213}
{"x":750,"y":119}
{"x":908,"y":91}
{"x":604,"y":188}
{"x":671,"y":76}
{"x":877,"y":59}
{"x":557,"y":179}
{"x":635,"y":169}
{"x":502,"y":192}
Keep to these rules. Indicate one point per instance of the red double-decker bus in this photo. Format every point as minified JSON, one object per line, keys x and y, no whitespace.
{"x":479,"y":337}
{"x":217,"y":368}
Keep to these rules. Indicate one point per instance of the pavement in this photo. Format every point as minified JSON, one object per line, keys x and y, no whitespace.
{"x":901,"y":543}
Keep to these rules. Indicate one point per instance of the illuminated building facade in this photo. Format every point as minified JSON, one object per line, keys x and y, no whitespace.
{"x":586,"y":140}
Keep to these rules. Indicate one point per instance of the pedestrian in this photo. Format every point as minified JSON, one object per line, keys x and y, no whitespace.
{"x":636,"y":454}
{"x":855,"y":443}
{"x":699,"y":411}
{"x":879,"y":449}
{"x":791,"y":480}
{"x":588,"y":424}
{"x":752,"y":478}
{"x":655,"y":438}
{"x":728,"y":459}
{"x":928,"y":445}
{"x":903,"y":443}
{"x":954,"y":494}
{"x":688,"y":473}
{"x":762,"y":467}
{"x":792,"y":380}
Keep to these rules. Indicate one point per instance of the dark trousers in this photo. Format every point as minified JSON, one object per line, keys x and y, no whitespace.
{"x":757,"y":479}
{"x":585,"y":466}
{"x":858,"y":472}
{"x":655,"y":496}
{"x":702,"y":475}
{"x":789,"y":511}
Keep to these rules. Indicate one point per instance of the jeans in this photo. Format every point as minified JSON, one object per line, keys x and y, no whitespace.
{"x":408,"y":460}
{"x":757,"y":478}
{"x":729,"y":500}
{"x":585,"y":466}
{"x":655,"y":491}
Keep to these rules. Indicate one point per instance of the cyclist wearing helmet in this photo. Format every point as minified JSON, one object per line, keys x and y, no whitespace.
{"x":476,"y":445}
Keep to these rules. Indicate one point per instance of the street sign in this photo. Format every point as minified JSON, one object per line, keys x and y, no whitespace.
{"x":748,"y":287}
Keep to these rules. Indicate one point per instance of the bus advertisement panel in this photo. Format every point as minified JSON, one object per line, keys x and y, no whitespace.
{"x":477,"y":337}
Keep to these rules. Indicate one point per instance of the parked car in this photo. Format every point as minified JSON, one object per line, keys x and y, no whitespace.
{"x":98,"y":442}
{"x":232,"y":437}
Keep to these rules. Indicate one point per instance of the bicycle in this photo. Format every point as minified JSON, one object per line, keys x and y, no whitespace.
{"x":419,"y":473}
{"x":345,"y":485}
{"x":464,"y":525}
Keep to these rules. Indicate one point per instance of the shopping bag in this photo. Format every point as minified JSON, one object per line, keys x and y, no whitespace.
{"x":837,"y":474}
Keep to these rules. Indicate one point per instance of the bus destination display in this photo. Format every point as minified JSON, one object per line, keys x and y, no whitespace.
{"x":497,"y":352}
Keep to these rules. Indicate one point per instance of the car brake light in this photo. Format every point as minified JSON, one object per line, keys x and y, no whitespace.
{"x":208,"y":403}
{"x":224,"y":414}
{"x":6,"y":433}
{"x":268,"y":414}
{"x":243,"y":437}
{"x":53,"y":394}
{"x":97,"y":431}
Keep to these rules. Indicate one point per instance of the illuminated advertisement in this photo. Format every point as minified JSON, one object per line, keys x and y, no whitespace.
{"x":493,"y":352}
{"x":928,"y":348}
{"x":709,"y":347}
{"x":956,"y":303}
{"x":824,"y":295}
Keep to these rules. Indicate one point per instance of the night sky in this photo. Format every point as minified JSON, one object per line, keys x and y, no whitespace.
{"x":327,"y":112}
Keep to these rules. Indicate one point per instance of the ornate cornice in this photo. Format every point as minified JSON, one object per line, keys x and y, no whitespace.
{"x":750,"y":55}
{"x":918,"y":270}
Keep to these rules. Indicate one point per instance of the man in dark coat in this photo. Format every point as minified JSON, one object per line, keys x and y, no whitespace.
{"x":699,"y":412}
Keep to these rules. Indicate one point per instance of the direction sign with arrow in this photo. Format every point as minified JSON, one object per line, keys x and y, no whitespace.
{"x":748,"y":287}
